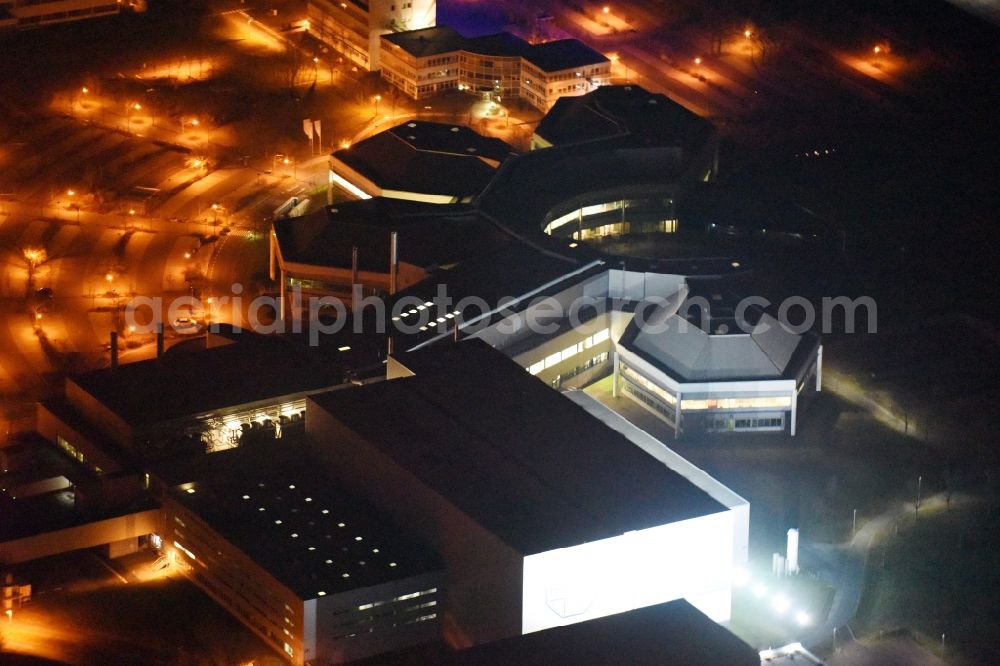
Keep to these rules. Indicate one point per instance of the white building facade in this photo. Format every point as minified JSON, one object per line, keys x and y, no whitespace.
{"x":723,"y":380}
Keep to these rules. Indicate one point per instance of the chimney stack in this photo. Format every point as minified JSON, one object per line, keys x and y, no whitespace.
{"x":393,"y":260}
{"x":354,"y":279}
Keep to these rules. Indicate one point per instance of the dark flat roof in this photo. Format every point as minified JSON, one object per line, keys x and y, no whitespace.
{"x":533,"y":187}
{"x":524,"y":462}
{"x":563,"y":54}
{"x":429,"y":234}
{"x":255,"y":368}
{"x":494,"y":276}
{"x":451,"y":139}
{"x":427,"y":41}
{"x":672,"y":634}
{"x":307,"y":535}
{"x":619,"y":110}
{"x":428,"y":158}
{"x":550,"y":56}
{"x":751,"y":209}
{"x":502,"y":44}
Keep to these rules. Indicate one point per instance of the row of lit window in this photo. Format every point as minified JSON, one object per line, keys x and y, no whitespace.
{"x":744,"y":424}
{"x":738,"y":403}
{"x":637,"y":379}
{"x":649,"y":400}
{"x":402,"y":597}
{"x":584,"y":212}
{"x":571,"y":351}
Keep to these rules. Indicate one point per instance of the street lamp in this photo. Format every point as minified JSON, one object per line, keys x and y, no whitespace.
{"x":606,"y":9}
{"x":879,"y":50}
{"x":83,"y":91}
{"x":377,"y":98}
{"x":128,"y":114}
{"x":72,"y":204}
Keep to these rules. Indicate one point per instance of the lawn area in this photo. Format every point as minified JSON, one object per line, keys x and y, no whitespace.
{"x":941,"y":575}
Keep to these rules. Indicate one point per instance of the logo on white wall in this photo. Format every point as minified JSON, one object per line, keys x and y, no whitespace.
{"x":569,"y":598}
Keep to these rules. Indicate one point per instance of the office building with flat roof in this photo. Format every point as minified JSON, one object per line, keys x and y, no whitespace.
{"x":26,"y":14}
{"x":674,"y":334}
{"x":422,"y":63}
{"x":353,"y":27}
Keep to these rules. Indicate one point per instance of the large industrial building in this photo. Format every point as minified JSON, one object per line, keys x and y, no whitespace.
{"x":428,"y":507}
{"x":316,"y":573}
{"x":542,"y":514}
{"x":501,"y":66}
{"x":143,"y":410}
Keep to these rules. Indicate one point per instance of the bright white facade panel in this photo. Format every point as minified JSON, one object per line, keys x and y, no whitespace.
{"x":691,"y":559}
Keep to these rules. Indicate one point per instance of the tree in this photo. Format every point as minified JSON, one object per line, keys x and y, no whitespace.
{"x":33,"y":257}
{"x":290,"y":65}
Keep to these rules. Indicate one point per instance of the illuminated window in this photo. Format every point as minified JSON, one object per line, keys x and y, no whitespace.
{"x":635,"y":378}
{"x":553,"y":359}
{"x":774,"y":402}
{"x":570,"y":352}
